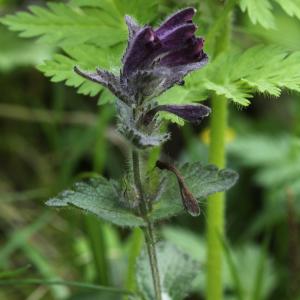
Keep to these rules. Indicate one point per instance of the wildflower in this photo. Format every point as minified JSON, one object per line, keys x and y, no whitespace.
{"x":155,"y":60}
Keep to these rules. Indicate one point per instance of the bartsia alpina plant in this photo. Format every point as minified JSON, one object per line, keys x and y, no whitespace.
{"x":155,"y":60}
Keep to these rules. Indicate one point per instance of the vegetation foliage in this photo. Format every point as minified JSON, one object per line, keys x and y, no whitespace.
{"x":262,"y":62}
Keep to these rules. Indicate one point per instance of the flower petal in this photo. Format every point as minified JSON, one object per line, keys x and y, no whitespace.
{"x":190,"y":54}
{"x":191,"y":113}
{"x":180,"y":17}
{"x":143,"y":44}
{"x":177,"y":36}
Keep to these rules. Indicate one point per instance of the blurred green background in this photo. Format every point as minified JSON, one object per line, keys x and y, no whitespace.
{"x":50,"y":136}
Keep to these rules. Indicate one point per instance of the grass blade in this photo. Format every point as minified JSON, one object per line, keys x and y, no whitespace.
{"x":257,"y":289}
{"x":33,"y":281}
{"x":233,"y":270}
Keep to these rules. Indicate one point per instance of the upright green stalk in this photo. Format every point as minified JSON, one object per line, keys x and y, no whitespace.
{"x":149,"y":229}
{"x":216,"y":202}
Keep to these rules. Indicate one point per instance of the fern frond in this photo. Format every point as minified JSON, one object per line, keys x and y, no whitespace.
{"x":260,"y":11}
{"x":88,"y":57}
{"x":65,"y":25}
{"x":264,"y":69}
{"x":291,"y":7}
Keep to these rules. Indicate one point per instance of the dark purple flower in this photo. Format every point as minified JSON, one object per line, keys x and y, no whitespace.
{"x":155,"y":59}
{"x":171,"y":45}
{"x":193,"y":113}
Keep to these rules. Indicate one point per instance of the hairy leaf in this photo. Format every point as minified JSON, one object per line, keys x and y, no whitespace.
{"x":201,"y":180}
{"x":100,"y":197}
{"x":177,"y":271}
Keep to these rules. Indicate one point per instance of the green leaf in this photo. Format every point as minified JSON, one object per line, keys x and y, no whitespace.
{"x":245,"y":257}
{"x":15,"y":52}
{"x":264,"y":69}
{"x":259,"y":11}
{"x":201,"y":180}
{"x":291,"y":7}
{"x":88,"y":57}
{"x":61,"y":69}
{"x":143,"y":10}
{"x":108,"y":6}
{"x":100,"y":197}
{"x":65,"y":25}
{"x":177,"y":271}
{"x":238,"y":92}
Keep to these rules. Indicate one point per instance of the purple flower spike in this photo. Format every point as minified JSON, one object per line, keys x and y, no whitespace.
{"x":172,"y":44}
{"x":155,"y":60}
{"x":183,"y":16}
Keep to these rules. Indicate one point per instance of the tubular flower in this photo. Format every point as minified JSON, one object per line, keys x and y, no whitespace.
{"x":155,"y":60}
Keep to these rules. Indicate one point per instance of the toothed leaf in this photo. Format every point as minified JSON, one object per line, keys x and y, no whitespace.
{"x":99,"y":197}
{"x":201,"y":180}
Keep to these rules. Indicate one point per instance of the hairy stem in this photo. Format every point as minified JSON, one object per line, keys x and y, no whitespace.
{"x":149,"y":229}
{"x":216,"y":202}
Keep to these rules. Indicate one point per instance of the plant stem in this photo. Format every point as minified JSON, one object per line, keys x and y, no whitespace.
{"x":149,"y":229}
{"x":216,"y":202}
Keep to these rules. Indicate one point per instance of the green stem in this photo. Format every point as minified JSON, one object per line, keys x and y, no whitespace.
{"x":216,"y":202}
{"x":149,"y":229}
{"x":217,"y":156}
